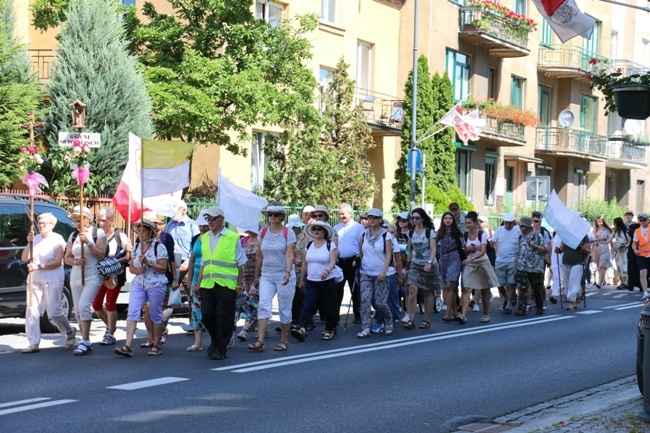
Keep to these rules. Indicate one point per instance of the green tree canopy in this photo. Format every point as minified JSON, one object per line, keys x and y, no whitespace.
{"x":94,"y":66}
{"x":19,"y":94}
{"x":326,"y":164}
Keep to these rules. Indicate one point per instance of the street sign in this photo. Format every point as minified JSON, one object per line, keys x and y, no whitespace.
{"x":91,"y":139}
{"x":538,"y":188}
{"x":418,"y":161}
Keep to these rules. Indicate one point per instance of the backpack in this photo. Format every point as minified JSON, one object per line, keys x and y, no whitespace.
{"x":311,"y":242}
{"x":392,"y":259}
{"x":285,"y":233}
{"x":488,"y":246}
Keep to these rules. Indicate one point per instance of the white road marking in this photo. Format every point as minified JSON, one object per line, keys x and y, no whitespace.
{"x":587,"y":312}
{"x":35,"y":406}
{"x":147,"y":383}
{"x":19,"y":402}
{"x":622,"y":295}
{"x":590,"y":294}
{"x":628,"y":307}
{"x":262,"y":365}
{"x":629,"y":304}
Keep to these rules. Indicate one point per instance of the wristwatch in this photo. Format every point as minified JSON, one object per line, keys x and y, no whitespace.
{"x":430,"y":262}
{"x":39,"y":266}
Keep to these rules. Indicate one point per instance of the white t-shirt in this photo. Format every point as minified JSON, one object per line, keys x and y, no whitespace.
{"x":44,"y":251}
{"x":506,"y":241}
{"x":91,"y":260}
{"x":274,"y":250}
{"x":318,"y":260}
{"x":373,"y":253}
{"x":480,"y":240}
{"x":422,"y":246}
{"x":349,"y":238}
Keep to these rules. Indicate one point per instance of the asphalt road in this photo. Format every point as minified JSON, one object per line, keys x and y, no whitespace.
{"x":416,"y":381}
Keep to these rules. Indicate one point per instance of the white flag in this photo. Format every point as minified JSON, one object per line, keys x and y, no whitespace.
{"x":241,"y":207}
{"x":467,"y":127}
{"x":567,"y":21}
{"x":568,"y":224}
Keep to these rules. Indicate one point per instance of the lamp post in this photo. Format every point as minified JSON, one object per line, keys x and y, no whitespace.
{"x":414,"y":99}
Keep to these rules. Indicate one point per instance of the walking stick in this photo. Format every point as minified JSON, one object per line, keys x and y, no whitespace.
{"x":354,"y":283}
{"x":559,"y":276}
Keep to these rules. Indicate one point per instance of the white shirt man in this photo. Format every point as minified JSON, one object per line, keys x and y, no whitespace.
{"x":349,"y":235}
{"x":505,"y":242}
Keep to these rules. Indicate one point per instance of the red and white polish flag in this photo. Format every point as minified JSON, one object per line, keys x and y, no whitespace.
{"x":565,"y":18}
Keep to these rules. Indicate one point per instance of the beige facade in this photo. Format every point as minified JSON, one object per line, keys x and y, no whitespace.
{"x":592,"y":158}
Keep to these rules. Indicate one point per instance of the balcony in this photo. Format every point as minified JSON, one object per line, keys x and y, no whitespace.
{"x":627,"y":67}
{"x":41,"y":61}
{"x":384,"y":113}
{"x":565,"y":61}
{"x":625,"y":153}
{"x":502,"y":133}
{"x":489,"y":30}
{"x":571,"y":142}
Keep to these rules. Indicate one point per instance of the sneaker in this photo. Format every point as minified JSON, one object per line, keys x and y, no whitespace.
{"x":529,"y":307}
{"x":107,"y":340}
{"x":329,"y":335}
{"x":364,"y":334}
{"x":553,"y":300}
{"x":406,"y":318}
{"x":644,"y":297}
{"x":243,"y":335}
{"x":377,"y":328}
{"x":520,"y":313}
{"x":539,"y":311}
{"x":389,"y":328}
{"x":299,"y":334}
{"x":475,"y":308}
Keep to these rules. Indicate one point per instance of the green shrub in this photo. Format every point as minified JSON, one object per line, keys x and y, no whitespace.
{"x":593,"y":207}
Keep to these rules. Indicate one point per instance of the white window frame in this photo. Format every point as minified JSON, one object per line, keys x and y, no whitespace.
{"x":259,"y":161}
{"x":364,"y":83}
{"x":325,"y":7}
{"x":262,"y":11}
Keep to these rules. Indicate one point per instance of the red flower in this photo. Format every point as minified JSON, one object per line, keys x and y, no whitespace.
{"x":593,"y":61}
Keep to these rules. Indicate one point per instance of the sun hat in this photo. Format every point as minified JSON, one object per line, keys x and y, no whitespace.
{"x":77,"y":211}
{"x":309,"y":209}
{"x":295,"y":221}
{"x":150,"y":224}
{"x":376,"y":212}
{"x":275,"y":207}
{"x":201,"y":220}
{"x":323,"y":224}
{"x":508,"y":217}
{"x":629,"y":212}
{"x":214,"y":211}
{"x":321,"y":208}
{"x":483,"y":218}
{"x":525,"y":221}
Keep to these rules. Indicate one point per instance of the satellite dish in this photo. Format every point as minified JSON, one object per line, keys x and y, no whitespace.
{"x":566,"y":118}
{"x":633,"y":126}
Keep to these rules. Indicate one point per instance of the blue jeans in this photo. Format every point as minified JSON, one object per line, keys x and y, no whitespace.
{"x":393,"y":301}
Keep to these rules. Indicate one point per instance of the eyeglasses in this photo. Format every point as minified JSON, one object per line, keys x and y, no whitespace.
{"x":103,"y":220}
{"x":211,"y":218}
{"x":373,"y":217}
{"x":316,"y":215}
{"x":274,"y":214}
{"x":415,"y":218}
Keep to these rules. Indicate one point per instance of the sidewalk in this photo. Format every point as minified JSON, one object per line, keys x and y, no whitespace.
{"x":608,"y":408}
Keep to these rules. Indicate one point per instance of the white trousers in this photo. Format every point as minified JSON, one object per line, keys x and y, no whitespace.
{"x":84,"y":296}
{"x":49,"y":294}
{"x":269,"y":286}
{"x":572,"y":276}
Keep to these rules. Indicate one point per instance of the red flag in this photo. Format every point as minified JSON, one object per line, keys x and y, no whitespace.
{"x":550,"y":6}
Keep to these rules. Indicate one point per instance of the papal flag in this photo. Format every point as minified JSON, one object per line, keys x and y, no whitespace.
{"x":566,"y":20}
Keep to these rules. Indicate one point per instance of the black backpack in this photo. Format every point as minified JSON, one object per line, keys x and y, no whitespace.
{"x":489,"y":250}
{"x":168,"y":273}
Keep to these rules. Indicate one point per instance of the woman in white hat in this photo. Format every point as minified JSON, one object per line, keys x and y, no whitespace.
{"x":274,"y":271}
{"x":93,"y":241}
{"x":318,"y":280}
{"x":294,"y":223}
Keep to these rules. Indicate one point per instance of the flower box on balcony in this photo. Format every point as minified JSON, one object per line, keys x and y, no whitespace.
{"x":632,"y":101}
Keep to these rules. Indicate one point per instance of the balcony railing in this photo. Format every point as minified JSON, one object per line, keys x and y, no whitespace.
{"x":508,"y":131}
{"x":565,"y":61}
{"x":571,"y":141}
{"x":627,"y":67}
{"x":500,"y":34}
{"x":626,"y":149}
{"x":381,"y":109}
{"x":41,"y":61}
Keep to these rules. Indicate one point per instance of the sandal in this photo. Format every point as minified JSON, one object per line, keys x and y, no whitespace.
{"x":32,"y":348}
{"x":154,"y":351}
{"x":70,"y":338}
{"x":461,"y":318}
{"x":425,"y":324}
{"x":329,"y":335}
{"x":83,"y":349}
{"x":409,"y":325}
{"x":281,"y":347}
{"x":147,"y":344}
{"x":258,"y":346}
{"x":484,"y":318}
{"x":448,"y":318}
{"x":124,"y":351}
{"x":108,"y":340}
{"x":194,"y":348}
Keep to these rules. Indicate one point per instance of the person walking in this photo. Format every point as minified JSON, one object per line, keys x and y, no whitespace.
{"x":84,"y":289}
{"x":505,"y":242}
{"x":620,"y":241}
{"x":573,"y":263}
{"x":450,"y":245}
{"x":193,"y":270}
{"x":641,"y":248}
{"x":275,"y":275}
{"x":47,"y":275}
{"x":349,"y":232}
{"x":529,"y":265}
{"x":149,"y":264}
{"x":600,"y":249}
{"x":219,"y":281}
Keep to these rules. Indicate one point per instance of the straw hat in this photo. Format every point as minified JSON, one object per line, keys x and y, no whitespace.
{"x":323,"y":224}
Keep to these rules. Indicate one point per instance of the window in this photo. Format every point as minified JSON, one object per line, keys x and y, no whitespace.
{"x":325,"y":76}
{"x":517,"y":92}
{"x":259,"y":161}
{"x":520,"y":7}
{"x":588,"y":113}
{"x":547,"y":33}
{"x":492,"y":83}
{"x":458,"y":65}
{"x":592,"y":44}
{"x":364,"y":65}
{"x":269,"y":11}
{"x":328,"y":10}
{"x":490,"y":177}
{"x":544,"y":110}
{"x":128,"y":2}
{"x":613,"y":47}
{"x":463,"y":170}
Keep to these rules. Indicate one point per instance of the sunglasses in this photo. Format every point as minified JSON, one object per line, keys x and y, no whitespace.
{"x":373,"y":217}
{"x":317,"y":215}
{"x":642,"y":220}
{"x":416,"y":218}
{"x":536,"y":221}
{"x":317,"y":229}
{"x":274,"y":214}
{"x":211,"y":218}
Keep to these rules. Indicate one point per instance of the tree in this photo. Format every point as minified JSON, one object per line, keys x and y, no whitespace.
{"x":443,"y":159}
{"x":424,"y":122}
{"x":93,"y":65}
{"x":19,"y":94}
{"x":326,"y":165}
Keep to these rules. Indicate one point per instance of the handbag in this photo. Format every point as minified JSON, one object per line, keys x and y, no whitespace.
{"x":109,"y":266}
{"x":175,"y":298}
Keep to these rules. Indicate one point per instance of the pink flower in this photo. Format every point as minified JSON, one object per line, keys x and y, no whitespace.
{"x":67,"y":157}
{"x":77,"y":151}
{"x":86,"y":149}
{"x":24,"y":150}
{"x":39,"y":159}
{"x":76,"y":143}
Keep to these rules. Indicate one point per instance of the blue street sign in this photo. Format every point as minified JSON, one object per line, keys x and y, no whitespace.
{"x":418,"y":161}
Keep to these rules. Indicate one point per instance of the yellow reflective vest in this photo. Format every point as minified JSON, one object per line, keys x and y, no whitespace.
{"x":220,"y":265}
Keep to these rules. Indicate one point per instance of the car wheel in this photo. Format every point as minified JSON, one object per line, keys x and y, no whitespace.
{"x":47,"y":326}
{"x":437,"y":304}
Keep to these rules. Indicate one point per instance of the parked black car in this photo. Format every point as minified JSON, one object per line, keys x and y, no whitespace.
{"x":14,"y":228}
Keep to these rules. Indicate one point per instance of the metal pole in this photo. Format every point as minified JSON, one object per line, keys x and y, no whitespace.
{"x":644,"y":415}
{"x":536,"y":194}
{"x":414,"y":100}
{"x":422,"y":174}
